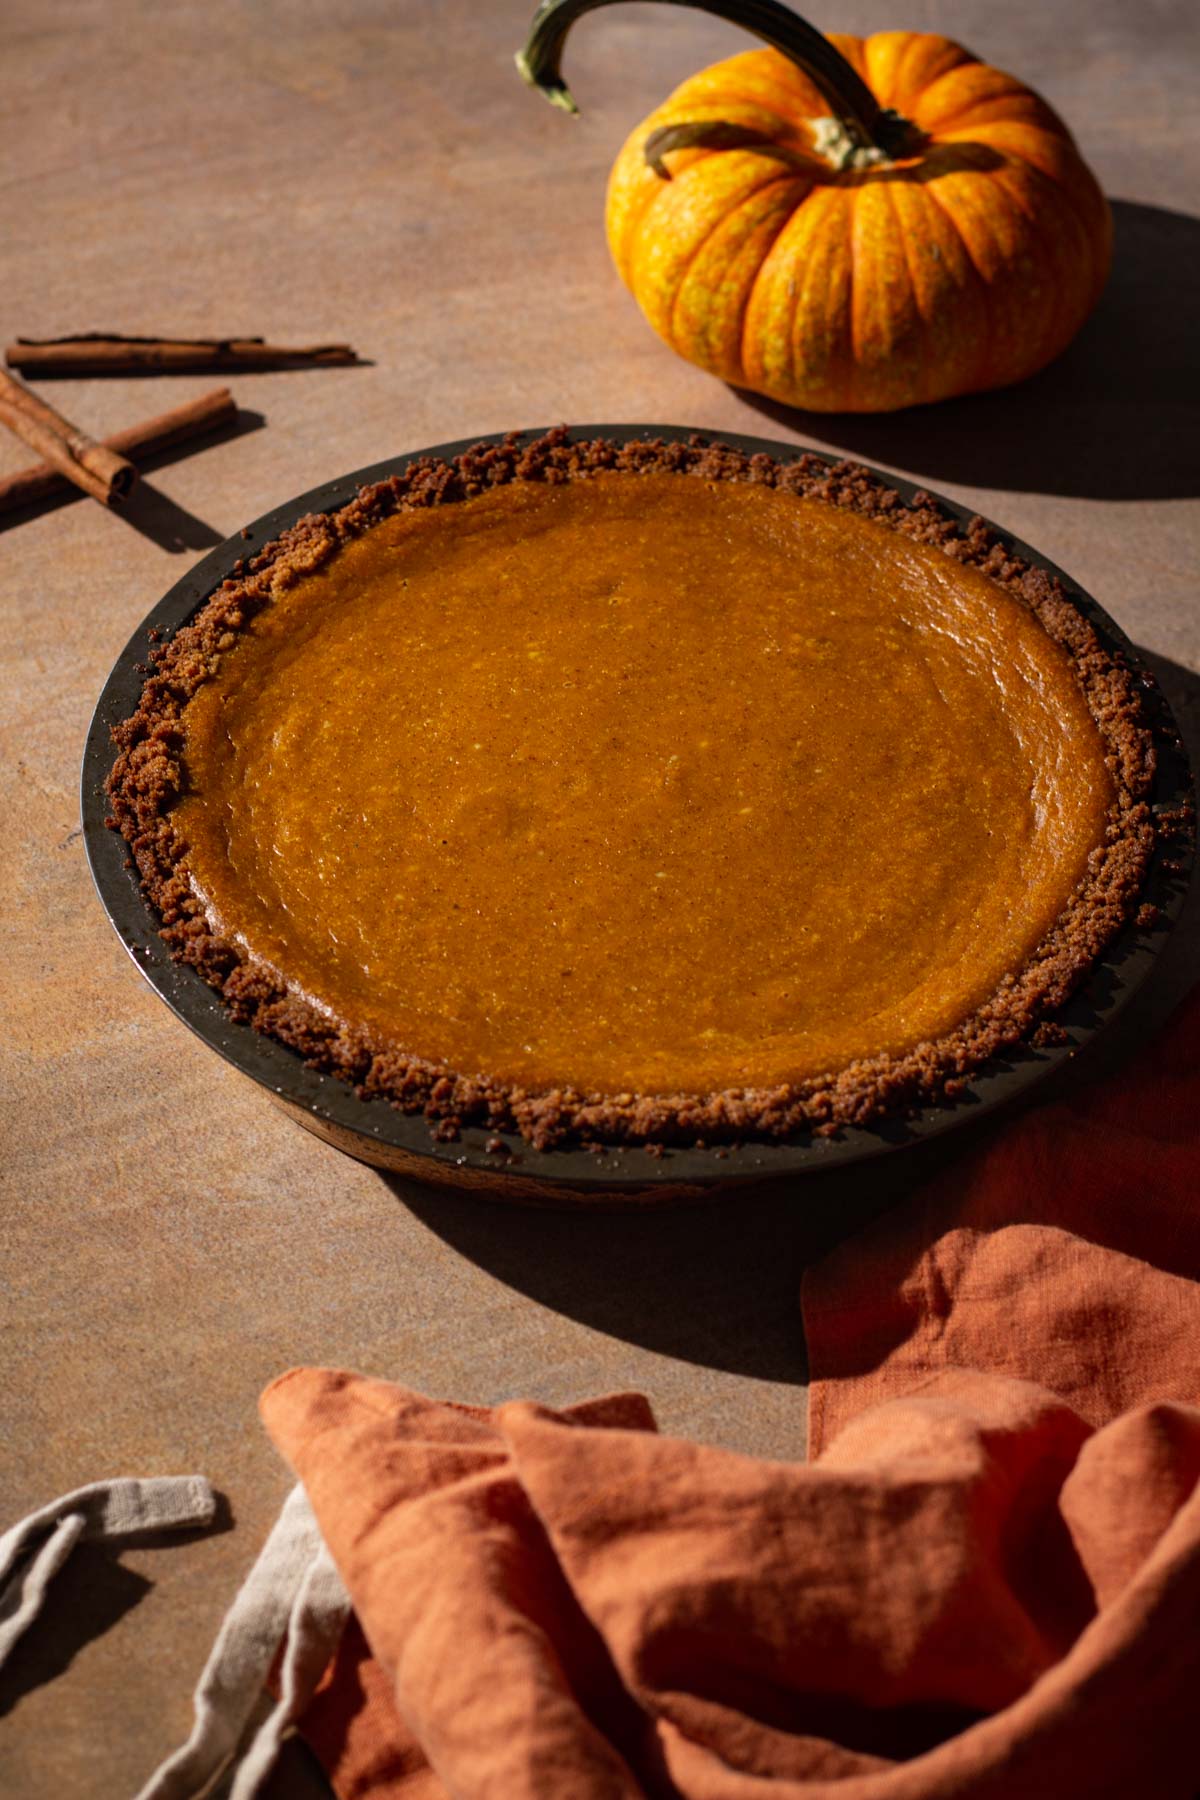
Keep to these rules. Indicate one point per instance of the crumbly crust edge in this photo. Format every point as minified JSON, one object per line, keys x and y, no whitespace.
{"x":148,"y":778}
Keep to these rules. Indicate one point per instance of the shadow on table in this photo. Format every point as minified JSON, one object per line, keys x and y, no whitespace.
{"x":716,"y":1283}
{"x":147,"y":508}
{"x":1178,"y":967}
{"x":102,"y":1592}
{"x":1182,"y":689}
{"x":171,"y":526}
{"x":1116,"y":417}
{"x":90,"y":1594}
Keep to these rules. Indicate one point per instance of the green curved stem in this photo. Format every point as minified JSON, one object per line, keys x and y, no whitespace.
{"x":849,"y":97}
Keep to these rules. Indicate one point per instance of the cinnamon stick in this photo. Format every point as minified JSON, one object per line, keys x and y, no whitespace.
{"x":98,"y":470}
{"x":109,"y":353}
{"x":139,"y":442}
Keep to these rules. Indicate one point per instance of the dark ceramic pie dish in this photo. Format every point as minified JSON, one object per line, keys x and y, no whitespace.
{"x":507,"y":1165}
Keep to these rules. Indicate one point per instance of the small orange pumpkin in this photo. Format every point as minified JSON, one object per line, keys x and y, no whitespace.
{"x":849,"y":224}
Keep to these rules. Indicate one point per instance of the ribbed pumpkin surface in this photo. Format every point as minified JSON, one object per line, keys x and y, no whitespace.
{"x":968,"y":265}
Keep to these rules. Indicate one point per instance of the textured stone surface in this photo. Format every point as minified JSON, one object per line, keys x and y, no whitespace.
{"x":377,"y":172}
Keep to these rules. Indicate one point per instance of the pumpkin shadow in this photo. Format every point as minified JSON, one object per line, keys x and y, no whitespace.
{"x":1116,"y":417}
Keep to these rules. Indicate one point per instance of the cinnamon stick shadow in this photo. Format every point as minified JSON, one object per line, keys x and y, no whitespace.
{"x":134,"y":372}
{"x":168,"y":525}
{"x":149,"y":510}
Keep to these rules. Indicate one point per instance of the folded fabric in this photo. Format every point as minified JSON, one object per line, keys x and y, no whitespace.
{"x":985,"y":1583}
{"x":970,"y":1593}
{"x":287,"y":1616}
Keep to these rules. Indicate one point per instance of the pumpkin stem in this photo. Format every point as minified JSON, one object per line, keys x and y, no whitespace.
{"x":867,"y":124}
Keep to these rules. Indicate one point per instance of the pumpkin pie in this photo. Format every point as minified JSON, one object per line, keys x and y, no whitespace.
{"x":646,"y":794}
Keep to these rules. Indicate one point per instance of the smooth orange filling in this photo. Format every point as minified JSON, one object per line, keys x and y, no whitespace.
{"x":642,"y":783}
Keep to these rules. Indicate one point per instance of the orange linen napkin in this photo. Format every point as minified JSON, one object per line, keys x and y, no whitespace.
{"x":1067,"y":1251}
{"x":986,"y":1583}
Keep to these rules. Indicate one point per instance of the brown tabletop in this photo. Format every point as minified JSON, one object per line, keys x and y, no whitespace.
{"x":377,"y":172}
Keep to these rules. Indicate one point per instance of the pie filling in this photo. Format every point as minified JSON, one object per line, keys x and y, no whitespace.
{"x":644,"y":783}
